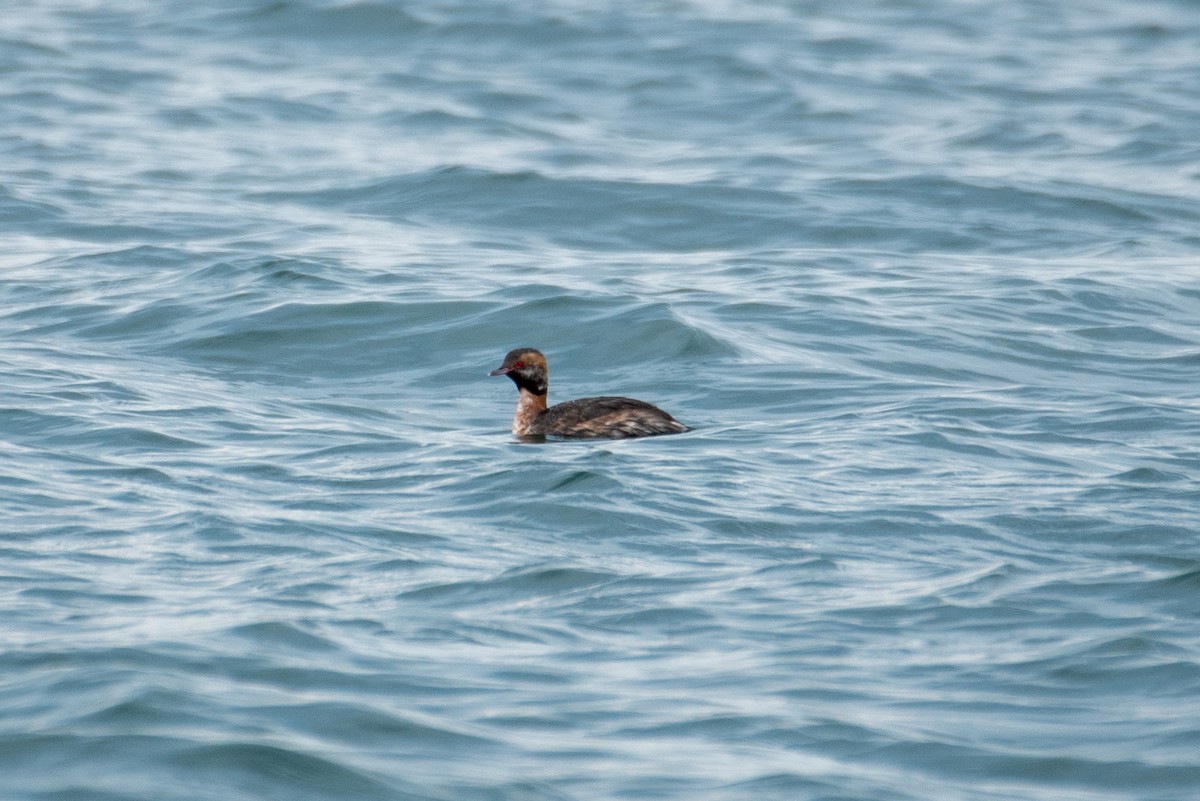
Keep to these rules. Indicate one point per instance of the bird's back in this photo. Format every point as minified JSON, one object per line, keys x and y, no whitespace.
{"x":607,"y":417}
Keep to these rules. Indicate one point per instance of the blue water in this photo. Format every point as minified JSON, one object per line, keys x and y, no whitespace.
{"x":924,"y":278}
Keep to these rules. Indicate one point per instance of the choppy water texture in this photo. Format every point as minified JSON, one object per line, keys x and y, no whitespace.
{"x":922,"y":277}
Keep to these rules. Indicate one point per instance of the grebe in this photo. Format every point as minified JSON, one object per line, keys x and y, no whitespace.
{"x":596,"y":418}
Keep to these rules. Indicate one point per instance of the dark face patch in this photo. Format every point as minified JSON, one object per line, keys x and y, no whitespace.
{"x":530,"y":377}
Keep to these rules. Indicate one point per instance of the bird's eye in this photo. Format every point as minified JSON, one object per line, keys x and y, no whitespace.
{"x":518,"y":365}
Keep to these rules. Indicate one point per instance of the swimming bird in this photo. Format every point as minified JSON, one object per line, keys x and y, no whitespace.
{"x":586,"y":418}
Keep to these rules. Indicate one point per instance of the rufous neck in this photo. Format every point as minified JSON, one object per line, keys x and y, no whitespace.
{"x":532,"y":401}
{"x":529,"y":406}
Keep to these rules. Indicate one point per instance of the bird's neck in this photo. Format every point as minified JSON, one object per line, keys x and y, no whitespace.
{"x":529,"y":406}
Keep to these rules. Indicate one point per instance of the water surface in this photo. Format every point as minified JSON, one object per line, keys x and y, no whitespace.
{"x":923,"y":280}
